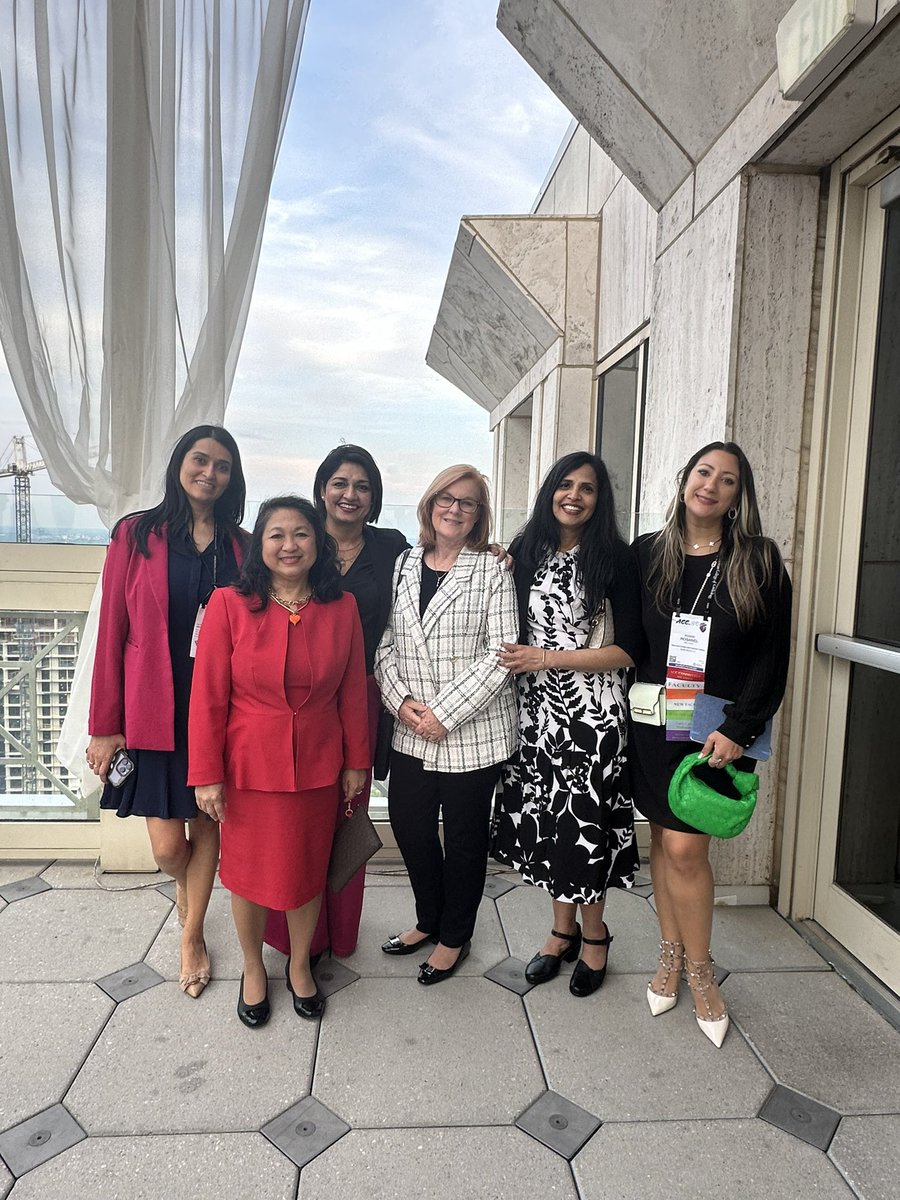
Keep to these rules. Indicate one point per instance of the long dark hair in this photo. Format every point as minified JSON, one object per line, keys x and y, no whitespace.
{"x":539,"y":536}
{"x":175,"y":513}
{"x":360,"y":458}
{"x":324,"y":576}
{"x":750,"y":559}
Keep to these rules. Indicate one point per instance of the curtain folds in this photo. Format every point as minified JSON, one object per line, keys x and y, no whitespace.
{"x":138,"y":139}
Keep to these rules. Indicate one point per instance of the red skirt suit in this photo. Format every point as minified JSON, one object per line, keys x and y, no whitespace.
{"x":278,"y":710}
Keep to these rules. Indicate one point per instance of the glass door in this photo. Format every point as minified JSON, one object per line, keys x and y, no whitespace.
{"x":857,"y":892}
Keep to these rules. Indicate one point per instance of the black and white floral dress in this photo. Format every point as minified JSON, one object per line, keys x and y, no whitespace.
{"x":564,"y":815}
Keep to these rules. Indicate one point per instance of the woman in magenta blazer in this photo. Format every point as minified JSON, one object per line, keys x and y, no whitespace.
{"x":279,"y":736}
{"x":161,"y":568}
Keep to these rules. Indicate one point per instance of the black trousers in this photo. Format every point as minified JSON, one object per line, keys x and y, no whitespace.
{"x":448,"y":881}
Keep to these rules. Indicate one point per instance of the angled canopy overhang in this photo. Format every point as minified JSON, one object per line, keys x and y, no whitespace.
{"x":504,"y":303}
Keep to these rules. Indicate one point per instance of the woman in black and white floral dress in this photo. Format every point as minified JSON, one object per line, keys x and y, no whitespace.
{"x":565,"y":820}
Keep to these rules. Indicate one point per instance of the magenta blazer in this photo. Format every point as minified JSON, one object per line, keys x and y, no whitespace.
{"x":241,"y":729}
{"x":132,"y":692}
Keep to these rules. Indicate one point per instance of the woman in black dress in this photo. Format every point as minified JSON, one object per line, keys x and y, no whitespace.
{"x":348,"y":493}
{"x":161,"y":568}
{"x":710,"y":558}
{"x":565,"y":820}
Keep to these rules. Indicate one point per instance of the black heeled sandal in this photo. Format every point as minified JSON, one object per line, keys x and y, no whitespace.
{"x":585,"y":981}
{"x":544,"y":967}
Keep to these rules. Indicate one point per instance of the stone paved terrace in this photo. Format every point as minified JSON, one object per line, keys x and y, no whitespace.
{"x":115,"y":1085}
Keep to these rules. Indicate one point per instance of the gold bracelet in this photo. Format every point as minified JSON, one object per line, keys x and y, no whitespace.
{"x":543,"y":660}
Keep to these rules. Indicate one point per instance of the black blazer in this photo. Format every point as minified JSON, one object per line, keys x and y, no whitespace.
{"x":384,"y":546}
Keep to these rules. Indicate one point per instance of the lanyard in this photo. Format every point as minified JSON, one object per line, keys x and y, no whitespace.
{"x":713,"y":573}
{"x":215,"y":565}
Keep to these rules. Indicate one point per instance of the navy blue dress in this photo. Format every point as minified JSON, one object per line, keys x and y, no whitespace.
{"x":158,"y":785}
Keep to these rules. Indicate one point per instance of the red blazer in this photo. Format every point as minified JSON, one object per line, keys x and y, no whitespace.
{"x":132,"y":692}
{"x":241,"y":729}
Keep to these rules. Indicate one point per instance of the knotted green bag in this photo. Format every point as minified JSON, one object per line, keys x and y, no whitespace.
{"x":698,"y":804}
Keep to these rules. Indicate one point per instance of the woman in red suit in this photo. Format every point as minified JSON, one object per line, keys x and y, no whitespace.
{"x":161,"y":568}
{"x":279,"y":736}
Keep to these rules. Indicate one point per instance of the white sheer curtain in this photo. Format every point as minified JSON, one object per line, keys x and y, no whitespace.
{"x":138,"y":139}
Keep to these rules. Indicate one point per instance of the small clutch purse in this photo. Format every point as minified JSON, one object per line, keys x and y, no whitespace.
{"x":355,"y":841}
{"x":603,"y":630}
{"x":647,"y":703}
{"x":699,"y":804}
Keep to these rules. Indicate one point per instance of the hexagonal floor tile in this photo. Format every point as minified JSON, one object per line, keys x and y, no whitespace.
{"x":186,"y":1167}
{"x":46,"y":1029}
{"x":706,"y":1160}
{"x":394,"y":1053}
{"x":820,"y":1037}
{"x":607,"y":1054}
{"x":225,"y":957}
{"x":77,"y":935}
{"x":169,"y":1064}
{"x":432,"y":1164}
{"x":867,"y":1151}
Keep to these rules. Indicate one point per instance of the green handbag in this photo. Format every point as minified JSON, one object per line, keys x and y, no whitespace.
{"x":698,"y":804}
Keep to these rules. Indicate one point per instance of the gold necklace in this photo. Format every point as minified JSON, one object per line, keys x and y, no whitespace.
{"x":293,"y":607}
{"x":347,"y":561}
{"x":698,"y":545}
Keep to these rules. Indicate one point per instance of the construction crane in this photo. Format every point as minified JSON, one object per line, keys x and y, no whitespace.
{"x":21,"y":470}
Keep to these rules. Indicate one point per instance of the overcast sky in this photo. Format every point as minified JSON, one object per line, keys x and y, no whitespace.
{"x":406,"y":116}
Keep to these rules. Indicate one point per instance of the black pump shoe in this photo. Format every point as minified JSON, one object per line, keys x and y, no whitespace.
{"x":585,"y":981}
{"x":544,"y":967}
{"x":429,"y":974}
{"x":253,"y":1015}
{"x":394,"y":946}
{"x":311,"y":1007}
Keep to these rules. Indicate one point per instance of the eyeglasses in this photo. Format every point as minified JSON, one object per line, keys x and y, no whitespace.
{"x":445,"y":500}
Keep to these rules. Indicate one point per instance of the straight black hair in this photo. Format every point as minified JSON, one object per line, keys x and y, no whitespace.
{"x":539,"y":537}
{"x":324,"y":576}
{"x":360,"y":458}
{"x":174,"y":513}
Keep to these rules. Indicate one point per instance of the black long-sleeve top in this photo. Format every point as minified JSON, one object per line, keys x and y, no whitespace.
{"x":749,"y":668}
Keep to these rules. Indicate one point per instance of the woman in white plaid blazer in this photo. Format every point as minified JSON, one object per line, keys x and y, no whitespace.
{"x":437,"y":667}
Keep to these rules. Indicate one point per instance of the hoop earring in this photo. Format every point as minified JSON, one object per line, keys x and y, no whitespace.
{"x":732,"y":513}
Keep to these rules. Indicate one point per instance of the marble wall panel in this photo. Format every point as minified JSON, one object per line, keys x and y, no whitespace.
{"x":534,"y":249}
{"x":776,"y":293}
{"x":546,"y":204}
{"x":603,"y":175}
{"x":582,"y":251}
{"x":676,"y":215}
{"x":690,"y":347}
{"x":756,"y":123}
{"x":626,"y":266}
{"x":548,"y":423}
{"x":501,"y":287}
{"x":541,"y":391}
{"x":577,"y":389}
{"x":611,"y":112}
{"x":572,"y":177}
{"x":446,"y":362}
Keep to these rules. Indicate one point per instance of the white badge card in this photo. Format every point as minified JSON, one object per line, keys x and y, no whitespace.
{"x":195,"y":632}
{"x":685,"y":671}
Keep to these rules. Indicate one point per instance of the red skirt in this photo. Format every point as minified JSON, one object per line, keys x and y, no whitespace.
{"x":276,"y":845}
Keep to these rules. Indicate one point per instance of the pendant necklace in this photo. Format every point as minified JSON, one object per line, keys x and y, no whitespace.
{"x":701,"y":545}
{"x":346,"y":562}
{"x":293,"y":607}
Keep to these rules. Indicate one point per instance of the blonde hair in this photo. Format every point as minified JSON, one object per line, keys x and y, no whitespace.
{"x":480,"y":535}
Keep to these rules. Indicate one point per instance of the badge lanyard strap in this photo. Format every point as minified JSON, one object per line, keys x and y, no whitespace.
{"x":713,"y":572}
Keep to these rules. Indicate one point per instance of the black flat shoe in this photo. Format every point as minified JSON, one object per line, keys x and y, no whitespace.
{"x":429,"y":974}
{"x":394,"y":946}
{"x":585,"y":980}
{"x":253,"y":1015}
{"x":544,"y":967}
{"x":310,"y":1007}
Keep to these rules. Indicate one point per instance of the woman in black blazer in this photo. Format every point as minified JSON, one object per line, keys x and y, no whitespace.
{"x":348,"y":494}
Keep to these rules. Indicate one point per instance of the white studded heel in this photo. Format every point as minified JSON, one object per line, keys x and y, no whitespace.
{"x":701,"y":978}
{"x":671,"y":958}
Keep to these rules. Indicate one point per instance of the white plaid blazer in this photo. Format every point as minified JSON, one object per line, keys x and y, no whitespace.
{"x":447,"y":659}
